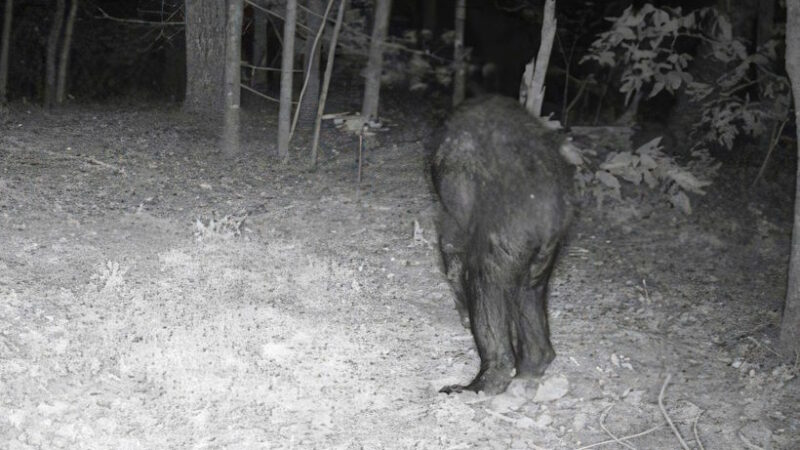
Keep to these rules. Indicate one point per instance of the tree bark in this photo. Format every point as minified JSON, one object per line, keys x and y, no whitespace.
{"x":287,"y":71}
{"x":429,"y":16}
{"x":205,"y":57}
{"x":233,"y":75}
{"x":535,"y":95}
{"x":326,"y":80}
{"x":764,"y":31}
{"x":314,"y":49}
{"x":66,"y":46}
{"x":790,"y":325}
{"x":460,"y":75}
{"x":52,"y":54}
{"x":259,"y":47}
{"x":766,"y":21}
{"x":310,"y":100}
{"x":5,"y":43}
{"x":372,"y":86}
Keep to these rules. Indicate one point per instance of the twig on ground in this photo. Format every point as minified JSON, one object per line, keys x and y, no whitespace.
{"x":615,"y":438}
{"x":646,"y":293}
{"x":84,"y":159}
{"x":500,"y":416}
{"x":479,"y":400}
{"x":694,"y":430}
{"x":623,"y":438}
{"x":97,"y":162}
{"x":766,"y":347}
{"x":747,"y":443}
{"x":666,"y":416}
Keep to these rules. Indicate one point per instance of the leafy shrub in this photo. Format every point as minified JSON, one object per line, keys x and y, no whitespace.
{"x":739,"y":102}
{"x":646,"y":165}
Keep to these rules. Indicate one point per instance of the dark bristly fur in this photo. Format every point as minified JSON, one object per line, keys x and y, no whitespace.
{"x":504,"y":195}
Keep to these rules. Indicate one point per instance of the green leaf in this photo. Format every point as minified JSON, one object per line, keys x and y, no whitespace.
{"x":681,"y":201}
{"x":725,"y":28}
{"x":674,"y":79}
{"x":658,"y":87}
{"x":626,"y":33}
{"x":647,"y":161}
{"x":687,"y":181}
{"x":650,"y":147}
{"x":649,"y":179}
{"x":616,"y":161}
{"x":607,"y":179}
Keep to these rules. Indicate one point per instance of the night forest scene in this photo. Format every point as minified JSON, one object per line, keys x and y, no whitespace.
{"x":395,"y":224}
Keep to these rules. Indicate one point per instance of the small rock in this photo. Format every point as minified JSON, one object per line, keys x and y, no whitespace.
{"x":543,"y":421}
{"x":525,"y":422}
{"x":579,"y":421}
{"x":508,"y":401}
{"x":552,"y":389}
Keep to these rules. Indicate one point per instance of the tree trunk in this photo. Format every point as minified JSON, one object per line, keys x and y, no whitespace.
{"x":460,"y":75}
{"x":287,"y":71}
{"x":429,"y":17}
{"x":764,"y":31}
{"x":205,"y":57}
{"x":52,"y":54}
{"x":766,"y":21}
{"x":66,"y":46}
{"x":790,"y":326}
{"x":326,"y":80}
{"x":5,"y":42}
{"x":233,"y":75}
{"x":372,"y":86}
{"x":259,"y":47}
{"x":535,"y":95}
{"x":173,"y":81}
{"x":310,"y":100}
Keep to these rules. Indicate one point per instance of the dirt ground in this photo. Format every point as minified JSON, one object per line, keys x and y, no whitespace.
{"x":138,"y":310}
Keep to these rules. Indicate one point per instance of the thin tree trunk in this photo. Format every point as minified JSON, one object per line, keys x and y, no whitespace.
{"x":259,"y":47}
{"x":326,"y":81}
{"x":460,"y":76}
{"x":308,"y":76}
{"x":287,"y":71}
{"x":766,"y":21}
{"x":790,"y":326}
{"x":372,"y":86}
{"x":5,"y":42}
{"x":535,"y":95}
{"x":66,"y":46}
{"x":52,"y":54}
{"x":233,"y":75}
{"x":205,"y":57}
{"x":429,"y":17}
{"x":310,"y":98}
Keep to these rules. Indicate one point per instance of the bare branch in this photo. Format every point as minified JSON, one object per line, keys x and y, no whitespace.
{"x":273,"y":13}
{"x":104,"y":15}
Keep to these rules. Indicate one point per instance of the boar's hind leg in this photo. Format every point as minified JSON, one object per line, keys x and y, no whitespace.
{"x":488,"y":307}
{"x":534,"y":352}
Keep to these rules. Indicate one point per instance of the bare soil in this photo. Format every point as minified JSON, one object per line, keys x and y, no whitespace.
{"x":138,"y":310}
